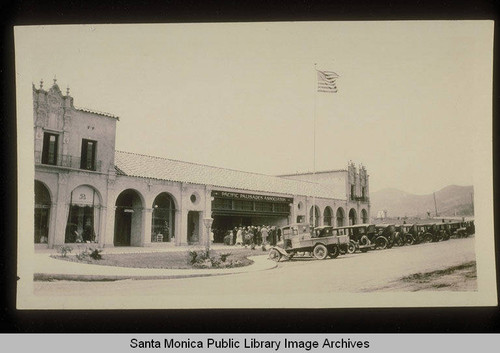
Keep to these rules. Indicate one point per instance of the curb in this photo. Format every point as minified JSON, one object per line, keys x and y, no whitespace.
{"x":48,"y":277}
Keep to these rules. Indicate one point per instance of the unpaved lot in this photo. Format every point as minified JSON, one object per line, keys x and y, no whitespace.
{"x":456,"y":278}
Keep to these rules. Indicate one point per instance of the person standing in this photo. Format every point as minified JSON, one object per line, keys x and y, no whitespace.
{"x":239,"y":237}
{"x":264,"y":233}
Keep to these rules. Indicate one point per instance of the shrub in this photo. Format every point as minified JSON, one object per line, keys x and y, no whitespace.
{"x":224,"y":256}
{"x":264,"y":247}
{"x":64,"y":250}
{"x":95,"y":254}
{"x":83,"y":255}
{"x":192,"y":256}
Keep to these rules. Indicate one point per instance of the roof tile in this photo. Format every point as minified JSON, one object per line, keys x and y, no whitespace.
{"x":143,"y":166}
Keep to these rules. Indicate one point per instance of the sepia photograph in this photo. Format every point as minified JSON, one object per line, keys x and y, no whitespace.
{"x":255,"y":165}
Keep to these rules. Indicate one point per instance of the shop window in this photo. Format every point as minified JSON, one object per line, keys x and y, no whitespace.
{"x":87,"y":161}
{"x":243,"y":205}
{"x":263,"y":206}
{"x":222,"y":204}
{"x":281,"y":207}
{"x":50,"y":144}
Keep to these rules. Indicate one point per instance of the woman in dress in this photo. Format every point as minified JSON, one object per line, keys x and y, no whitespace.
{"x":239,"y":237}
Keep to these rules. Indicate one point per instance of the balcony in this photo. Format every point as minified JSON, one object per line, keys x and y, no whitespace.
{"x":67,"y":161}
{"x":360,"y":198}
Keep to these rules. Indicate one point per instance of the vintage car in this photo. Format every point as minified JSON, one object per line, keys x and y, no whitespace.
{"x":408,"y":233}
{"x":457,"y":229}
{"x":438,"y":231}
{"x":358,"y":237}
{"x":418,"y":233}
{"x":301,"y":238}
{"x":470,"y":227}
{"x":400,"y":232}
{"x":383,"y":236}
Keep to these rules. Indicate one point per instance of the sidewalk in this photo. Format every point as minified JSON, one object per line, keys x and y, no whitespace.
{"x":49,"y":268}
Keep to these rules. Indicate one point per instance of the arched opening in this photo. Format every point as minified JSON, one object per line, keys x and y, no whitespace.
{"x":42,"y":213}
{"x":314,"y":222}
{"x":163,"y":223}
{"x":340,"y":217}
{"x":364,"y":216}
{"x":128,"y":218}
{"x":84,"y":216}
{"x":353,"y":219}
{"x":328,"y":216}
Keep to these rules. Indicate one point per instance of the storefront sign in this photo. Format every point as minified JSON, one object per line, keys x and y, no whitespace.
{"x":250,"y":197}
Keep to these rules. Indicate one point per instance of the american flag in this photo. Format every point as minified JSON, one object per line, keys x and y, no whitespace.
{"x":326,"y":81}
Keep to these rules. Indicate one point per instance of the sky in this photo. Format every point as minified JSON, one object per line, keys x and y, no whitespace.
{"x":411,"y":95}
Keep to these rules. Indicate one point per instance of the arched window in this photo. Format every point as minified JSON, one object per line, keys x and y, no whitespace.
{"x":42,"y":213}
{"x":314,"y":222}
{"x":364,"y":216}
{"x":163,"y":223}
{"x":83,"y":216}
{"x":340,"y":217}
{"x":327,"y":216}
{"x":353,"y":219}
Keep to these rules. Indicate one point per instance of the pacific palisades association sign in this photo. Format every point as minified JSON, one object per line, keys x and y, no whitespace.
{"x":250,"y":197}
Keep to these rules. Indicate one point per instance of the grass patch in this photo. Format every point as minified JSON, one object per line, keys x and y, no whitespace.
{"x":165,"y":260}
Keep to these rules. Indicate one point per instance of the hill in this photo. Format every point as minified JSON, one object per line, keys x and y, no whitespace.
{"x":451,"y":200}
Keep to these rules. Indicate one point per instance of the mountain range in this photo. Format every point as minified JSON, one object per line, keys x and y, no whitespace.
{"x":452,"y":200}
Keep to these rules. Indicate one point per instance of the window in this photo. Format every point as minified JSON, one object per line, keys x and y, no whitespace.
{"x":363,"y":192}
{"x":352,"y":192}
{"x":49,"y":153}
{"x":88,"y":154}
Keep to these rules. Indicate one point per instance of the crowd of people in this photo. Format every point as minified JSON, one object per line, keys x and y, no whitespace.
{"x":251,"y":235}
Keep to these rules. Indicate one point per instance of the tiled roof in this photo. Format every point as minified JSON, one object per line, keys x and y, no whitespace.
{"x":137,"y":165}
{"x":86,"y":110}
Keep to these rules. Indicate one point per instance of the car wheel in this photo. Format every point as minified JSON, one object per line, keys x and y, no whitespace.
{"x":274,"y":255}
{"x":409,"y":239}
{"x":334,"y":251}
{"x":380,"y":243}
{"x":320,"y":252}
{"x":428,"y":238}
{"x":351,"y":248}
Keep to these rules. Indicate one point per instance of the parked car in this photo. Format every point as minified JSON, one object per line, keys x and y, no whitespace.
{"x":358,"y":237}
{"x":383,"y":236}
{"x":457,"y":229}
{"x":418,"y":233}
{"x":400,"y":232}
{"x":300,"y":237}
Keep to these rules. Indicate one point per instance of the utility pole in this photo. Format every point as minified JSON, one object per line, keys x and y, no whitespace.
{"x":435,"y":205}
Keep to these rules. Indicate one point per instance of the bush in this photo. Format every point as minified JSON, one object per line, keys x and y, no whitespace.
{"x":95,"y":254}
{"x":224,"y":256}
{"x":89,"y":253}
{"x":203,"y":260}
{"x":83,"y":255}
{"x":192,"y":257}
{"x":64,"y":250}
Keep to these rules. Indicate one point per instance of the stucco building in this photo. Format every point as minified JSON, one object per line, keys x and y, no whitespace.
{"x":85,"y":190}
